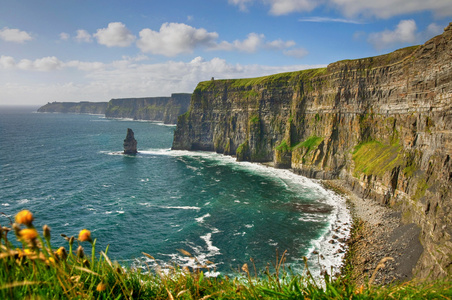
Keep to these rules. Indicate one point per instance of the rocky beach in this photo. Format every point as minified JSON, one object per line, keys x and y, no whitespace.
{"x":379,"y":235}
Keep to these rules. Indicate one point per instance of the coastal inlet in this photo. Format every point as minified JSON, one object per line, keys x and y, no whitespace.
{"x":70,"y":171}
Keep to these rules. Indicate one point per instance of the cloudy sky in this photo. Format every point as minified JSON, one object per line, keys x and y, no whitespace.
{"x":95,"y":50}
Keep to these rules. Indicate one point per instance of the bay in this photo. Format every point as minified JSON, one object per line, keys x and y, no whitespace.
{"x":69,"y":171}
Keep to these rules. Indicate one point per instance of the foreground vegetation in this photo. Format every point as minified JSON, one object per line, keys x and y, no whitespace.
{"x":38,"y":271}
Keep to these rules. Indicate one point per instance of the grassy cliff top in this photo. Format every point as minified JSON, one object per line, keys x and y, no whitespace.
{"x":375,"y":61}
{"x":289,"y":77}
{"x":270,"y":80}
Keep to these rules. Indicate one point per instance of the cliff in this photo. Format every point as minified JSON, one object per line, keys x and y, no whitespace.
{"x":383,"y":124}
{"x":75,"y":107}
{"x":165,"y":109}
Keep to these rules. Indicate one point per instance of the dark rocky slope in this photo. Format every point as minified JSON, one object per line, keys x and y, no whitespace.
{"x":382,"y":124}
{"x":165,"y":109}
{"x":75,"y":107}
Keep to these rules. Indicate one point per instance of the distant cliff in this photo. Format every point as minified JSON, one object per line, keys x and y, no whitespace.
{"x":75,"y":107}
{"x":165,"y":109}
{"x":383,"y":124}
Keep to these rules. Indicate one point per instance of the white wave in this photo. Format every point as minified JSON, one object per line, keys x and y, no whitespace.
{"x":331,"y":251}
{"x":182,"y":207}
{"x":5,"y":204}
{"x":147,"y":204}
{"x":329,"y":254}
{"x":212,"y":249}
{"x":272,"y":242}
{"x":201,"y":219}
{"x":23,"y":201}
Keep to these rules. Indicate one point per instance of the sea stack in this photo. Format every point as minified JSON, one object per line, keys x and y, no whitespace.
{"x":130,"y":143}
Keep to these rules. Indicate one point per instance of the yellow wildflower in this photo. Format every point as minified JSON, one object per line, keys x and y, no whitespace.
{"x":25,"y":252}
{"x":50,"y":260}
{"x":84,"y":235}
{"x":101,"y":287}
{"x":61,"y":253}
{"x":28,"y":234}
{"x":24,"y":217}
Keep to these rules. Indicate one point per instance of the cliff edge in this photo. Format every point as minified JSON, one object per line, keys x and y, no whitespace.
{"x":83,"y":107}
{"x":382,"y":124}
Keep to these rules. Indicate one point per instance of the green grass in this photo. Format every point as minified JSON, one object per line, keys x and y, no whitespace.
{"x":283,"y":147}
{"x":310,"y":143}
{"x":376,"y":158}
{"x":271,"y":80}
{"x":37,"y":271}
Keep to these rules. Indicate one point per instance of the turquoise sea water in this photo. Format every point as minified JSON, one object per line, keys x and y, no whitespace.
{"x":69,"y":171}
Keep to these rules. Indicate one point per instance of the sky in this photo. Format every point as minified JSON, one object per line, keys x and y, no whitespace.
{"x":96,"y":50}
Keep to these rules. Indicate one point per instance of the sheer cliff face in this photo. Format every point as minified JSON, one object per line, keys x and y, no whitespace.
{"x":75,"y":107}
{"x":383,"y":124}
{"x":165,"y":109}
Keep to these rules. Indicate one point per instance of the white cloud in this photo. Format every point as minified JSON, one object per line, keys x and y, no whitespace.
{"x":14,"y":35}
{"x":250,"y":44}
{"x":280,"y":44}
{"x":405,"y":32}
{"x":83,"y":36}
{"x":126,"y":78}
{"x":433,"y":30}
{"x":242,"y":4}
{"x":7,"y":62}
{"x":253,"y":43}
{"x":328,"y":20}
{"x":353,"y":8}
{"x":48,"y":63}
{"x":115,"y":35}
{"x":174,"y":39}
{"x":85,"y":66}
{"x":284,"y":7}
{"x":64,"y":36}
{"x":297,"y":53}
{"x":280,"y":7}
{"x":389,"y":8}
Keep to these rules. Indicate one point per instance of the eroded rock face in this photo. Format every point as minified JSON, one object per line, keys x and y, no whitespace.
{"x":164,"y":109}
{"x":130,"y":143}
{"x":383,"y":124}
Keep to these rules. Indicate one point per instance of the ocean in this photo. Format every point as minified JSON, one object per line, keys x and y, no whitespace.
{"x":69,"y":171}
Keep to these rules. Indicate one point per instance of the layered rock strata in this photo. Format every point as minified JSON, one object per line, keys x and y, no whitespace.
{"x":165,"y":109}
{"x":382,"y":124}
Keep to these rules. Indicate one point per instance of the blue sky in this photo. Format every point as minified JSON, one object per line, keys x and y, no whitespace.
{"x":83,"y":50}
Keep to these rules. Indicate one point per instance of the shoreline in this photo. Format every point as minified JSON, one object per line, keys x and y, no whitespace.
{"x":378,"y":233}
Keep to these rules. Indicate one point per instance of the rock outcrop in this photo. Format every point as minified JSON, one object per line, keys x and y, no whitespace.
{"x":383,"y":124}
{"x":130,"y":143}
{"x":165,"y":109}
{"x":83,"y":107}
